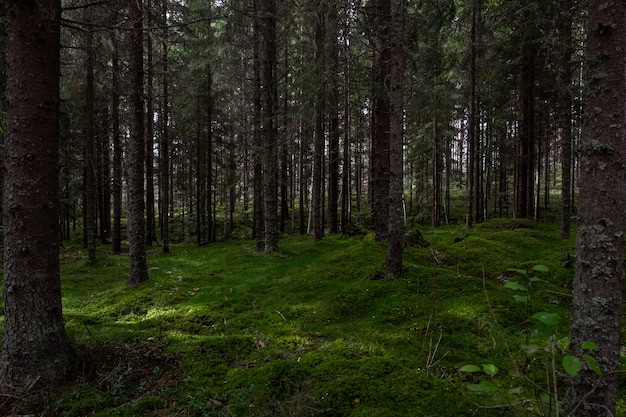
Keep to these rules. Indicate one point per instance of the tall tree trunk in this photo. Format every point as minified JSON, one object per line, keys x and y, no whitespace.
{"x":136,"y":150}
{"x":320,"y":133}
{"x":35,"y":351}
{"x":473,"y":118}
{"x":346,"y":183}
{"x":89,"y":165}
{"x":209,"y":157}
{"x":395,"y":239}
{"x":258,"y":222}
{"x":333,"y":117}
{"x":565,"y":113}
{"x":381,"y":109}
{"x":267,"y":26}
{"x":104,"y":176}
{"x":116,"y":248}
{"x":150,"y":215}
{"x":164,"y":195}
{"x":525,"y":144}
{"x":597,"y":288}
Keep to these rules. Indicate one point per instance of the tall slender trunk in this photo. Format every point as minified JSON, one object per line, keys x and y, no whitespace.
{"x":267,"y":26}
{"x":116,"y":248}
{"x":381,"y":109}
{"x":320,"y":132}
{"x":565,"y":114}
{"x":395,"y":238}
{"x":136,"y":154}
{"x":258,"y":222}
{"x":333,"y":117}
{"x":150,"y":215}
{"x":89,"y":164}
{"x":164,"y":195}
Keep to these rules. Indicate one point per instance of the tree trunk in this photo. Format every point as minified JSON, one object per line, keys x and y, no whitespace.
{"x":258,"y":222}
{"x":320,"y":133}
{"x":381,"y":109}
{"x":89,"y":165}
{"x":267,"y":26}
{"x":164,"y":196}
{"x":565,"y":114}
{"x":35,"y":347}
{"x":395,"y":238}
{"x":136,"y":151}
{"x":150,"y":215}
{"x":597,"y":288}
{"x":333,"y":118}
{"x":116,"y":248}
{"x":525,"y":144}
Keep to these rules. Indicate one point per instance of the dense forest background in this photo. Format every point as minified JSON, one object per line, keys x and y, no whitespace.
{"x":492,"y":105}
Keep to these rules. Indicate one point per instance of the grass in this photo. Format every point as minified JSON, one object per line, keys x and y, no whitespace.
{"x":222,"y":330}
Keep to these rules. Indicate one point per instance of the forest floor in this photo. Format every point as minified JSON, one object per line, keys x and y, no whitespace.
{"x":222,"y":330}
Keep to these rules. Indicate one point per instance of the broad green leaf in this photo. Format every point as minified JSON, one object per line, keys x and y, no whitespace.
{"x":572,"y":365}
{"x":470,"y":368}
{"x":549,"y":319}
{"x":593,"y":364}
{"x":522,"y":298}
{"x":536,"y":279}
{"x":515,"y":286}
{"x":545,"y":398}
{"x":540,"y":268}
{"x":484,"y":386}
{"x":490,"y":369}
{"x":518,"y":271}
{"x":589,"y":345}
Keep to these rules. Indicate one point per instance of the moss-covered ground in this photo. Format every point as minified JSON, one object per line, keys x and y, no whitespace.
{"x":222,"y":330}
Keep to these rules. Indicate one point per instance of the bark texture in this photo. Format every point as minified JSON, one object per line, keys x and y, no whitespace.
{"x":395,"y":238}
{"x":597,"y":294}
{"x":136,"y":160}
{"x":35,"y":347}
{"x":381,"y":109}
{"x":267,"y":28}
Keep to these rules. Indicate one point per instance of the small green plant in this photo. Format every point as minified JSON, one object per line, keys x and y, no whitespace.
{"x":539,"y":352}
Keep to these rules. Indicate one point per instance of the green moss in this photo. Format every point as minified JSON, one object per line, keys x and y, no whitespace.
{"x":225,"y":330}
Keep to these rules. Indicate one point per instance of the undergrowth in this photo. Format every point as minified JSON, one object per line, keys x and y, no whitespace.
{"x":222,"y":330}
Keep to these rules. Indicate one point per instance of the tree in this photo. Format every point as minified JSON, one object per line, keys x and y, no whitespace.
{"x":35,"y":347}
{"x":267,"y":32}
{"x":395,"y":236}
{"x":89,"y":164}
{"x":136,"y":160}
{"x":381,"y":109}
{"x":320,"y":131}
{"x":597,"y":290}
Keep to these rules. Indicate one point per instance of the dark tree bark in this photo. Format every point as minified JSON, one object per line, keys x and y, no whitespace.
{"x":89,"y":164}
{"x":395,"y":238}
{"x":346,"y":183}
{"x":565,"y":113}
{"x":473,"y":118}
{"x":381,"y":109}
{"x":136,"y":151}
{"x":333,"y":117}
{"x":267,"y":38}
{"x":36,"y":349}
{"x":165,"y":140}
{"x":320,"y":132}
{"x":258,"y":223}
{"x":597,"y":288}
{"x":525,"y":143}
{"x":150,"y":214}
{"x":116,"y":248}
